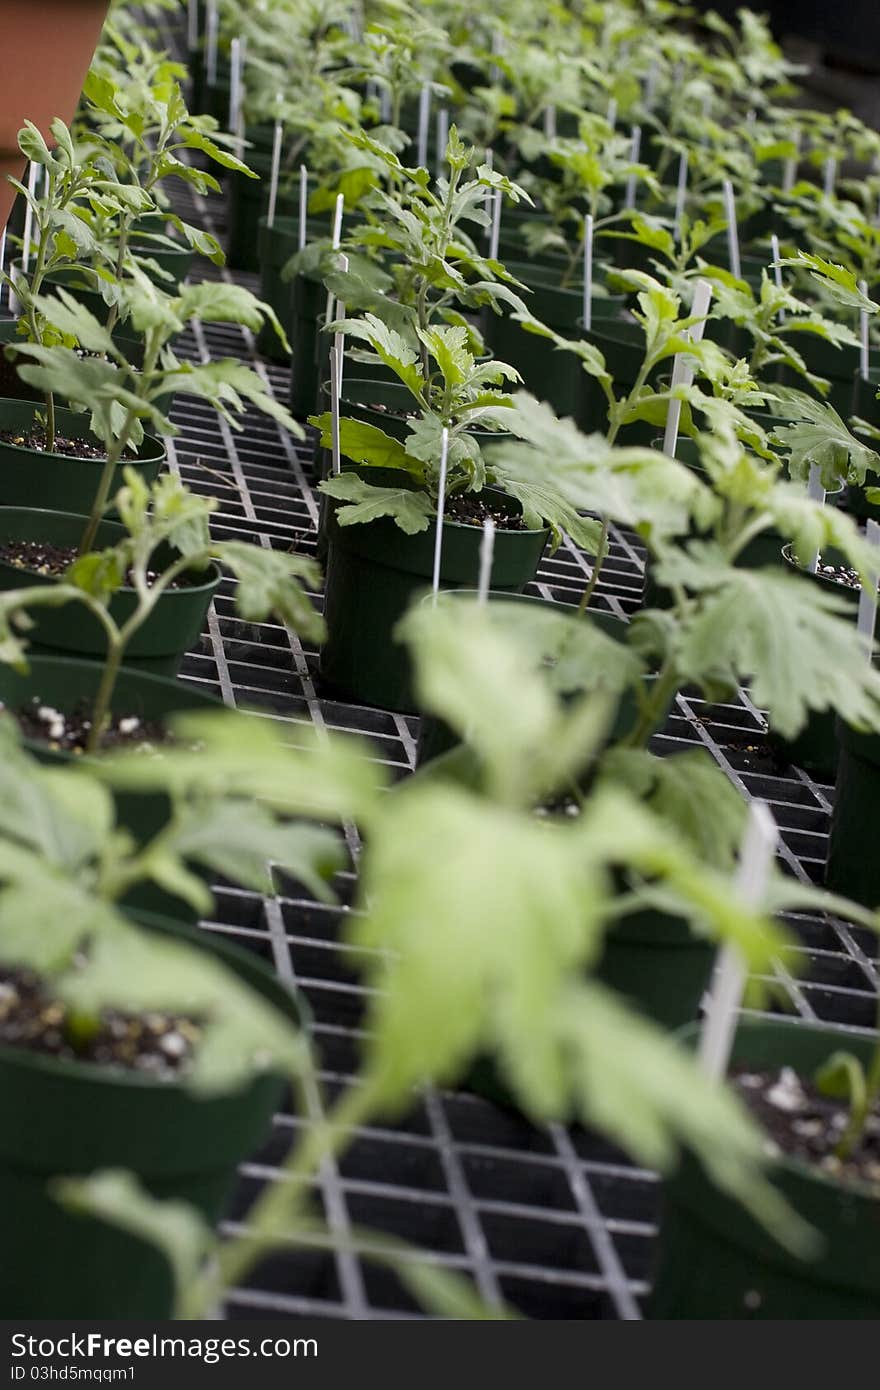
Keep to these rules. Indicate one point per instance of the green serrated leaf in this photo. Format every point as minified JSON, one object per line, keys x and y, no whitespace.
{"x":411,"y":510}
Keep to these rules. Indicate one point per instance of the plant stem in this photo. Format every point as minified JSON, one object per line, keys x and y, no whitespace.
{"x":755,"y":528}
{"x":281,"y":1203}
{"x":113,"y":315}
{"x":142,"y":384}
{"x":422,"y":312}
{"x":104,"y":697}
{"x":621,"y":407}
{"x":34,"y":288}
{"x":861,"y":1106}
{"x":665,"y":687}
{"x":601,"y":552}
{"x":114,"y":454}
{"x":118,"y":638}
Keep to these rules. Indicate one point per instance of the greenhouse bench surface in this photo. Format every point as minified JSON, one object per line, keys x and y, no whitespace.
{"x":556,"y":1223}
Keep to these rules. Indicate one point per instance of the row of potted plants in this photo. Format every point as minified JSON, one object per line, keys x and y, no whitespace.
{"x":742,"y":400}
{"x":533,"y":985}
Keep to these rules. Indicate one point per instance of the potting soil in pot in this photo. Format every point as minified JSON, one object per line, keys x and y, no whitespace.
{"x":33,"y":1019}
{"x":69,"y":448}
{"x":53,"y":561}
{"x":807,"y":1125}
{"x":68,"y":732}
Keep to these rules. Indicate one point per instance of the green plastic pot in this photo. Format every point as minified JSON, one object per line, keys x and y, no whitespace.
{"x":816,"y":748}
{"x":855,"y":502}
{"x":66,"y":683}
{"x":71,"y":1119}
{"x":30,"y":478}
{"x":173,"y":263}
{"x":628,"y":255}
{"x":752,"y":262}
{"x":865,"y":405}
{"x":622,"y":345}
{"x":561,"y":306}
{"x":513,"y":248}
{"x":173,"y":628}
{"x":715,"y":1262}
{"x":247,"y":203}
{"x":81,"y":287}
{"x":277,"y":244}
{"x":839,"y":365}
{"x":209,"y":98}
{"x":308,"y":365}
{"x":512,"y":245}
{"x":864,"y":402}
{"x":361,"y":394}
{"x":549,"y":373}
{"x":660,"y":967}
{"x":853,"y":866}
{"x":11,"y":385}
{"x":374,"y":572}
{"x":360,"y":397}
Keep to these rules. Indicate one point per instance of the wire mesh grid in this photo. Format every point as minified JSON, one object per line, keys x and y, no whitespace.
{"x":555,"y":1222}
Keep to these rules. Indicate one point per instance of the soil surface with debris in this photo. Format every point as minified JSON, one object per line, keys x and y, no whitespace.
{"x":33,"y":1020}
{"x":471,"y":510}
{"x":69,"y":448}
{"x":806,"y":1125}
{"x":52,"y":561}
{"x":844,"y":575}
{"x":840,"y":574}
{"x":69,"y":732}
{"x":382,"y":409}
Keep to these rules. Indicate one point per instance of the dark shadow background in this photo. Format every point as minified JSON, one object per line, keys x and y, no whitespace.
{"x":847,"y":31}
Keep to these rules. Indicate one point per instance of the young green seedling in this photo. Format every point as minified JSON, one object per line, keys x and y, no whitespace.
{"x":456,"y":394}
{"x":843,"y":1077}
{"x":120,"y":397}
{"x":165,"y":517}
{"x":57,"y":234}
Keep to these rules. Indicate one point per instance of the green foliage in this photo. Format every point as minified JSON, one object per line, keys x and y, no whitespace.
{"x":493,"y":958}
{"x":366,"y":444}
{"x":63,"y":862}
{"x":411,"y":510}
{"x":635,"y":487}
{"x":838,"y":282}
{"x":794,"y":641}
{"x":271,"y":582}
{"x":772,"y":318}
{"x":819,"y":436}
{"x":490,"y":969}
{"x":688,"y":791}
{"x":167,"y":536}
{"x":221,"y":754}
{"x":842,"y":1077}
{"x":481,"y":674}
